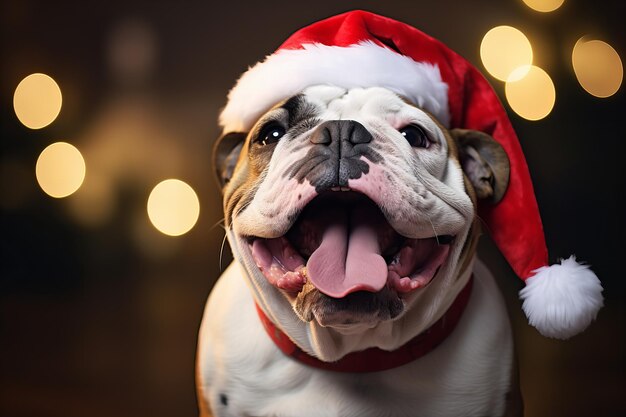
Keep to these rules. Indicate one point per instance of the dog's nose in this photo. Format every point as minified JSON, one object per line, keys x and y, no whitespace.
{"x":337,"y":154}
{"x":344,"y":132}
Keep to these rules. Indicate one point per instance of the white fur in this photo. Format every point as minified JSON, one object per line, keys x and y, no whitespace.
{"x":288,"y":72}
{"x":469,"y":371}
{"x":562,"y":300}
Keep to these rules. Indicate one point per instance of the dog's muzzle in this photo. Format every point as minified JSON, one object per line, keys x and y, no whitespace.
{"x":341,"y":248}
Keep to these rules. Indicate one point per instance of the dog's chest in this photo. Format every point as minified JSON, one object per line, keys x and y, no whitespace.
{"x":243,"y":373}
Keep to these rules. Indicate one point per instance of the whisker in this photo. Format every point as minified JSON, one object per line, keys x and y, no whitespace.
{"x":239,"y":210}
{"x":220,"y":222}
{"x":222,"y":251}
{"x":433,"y":226}
{"x":235,"y":214}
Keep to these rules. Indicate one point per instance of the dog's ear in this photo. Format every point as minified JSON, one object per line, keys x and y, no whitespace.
{"x":484,"y":162}
{"x":225,"y":155}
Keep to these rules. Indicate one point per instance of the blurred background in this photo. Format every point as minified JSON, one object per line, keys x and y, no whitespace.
{"x":110,"y":235}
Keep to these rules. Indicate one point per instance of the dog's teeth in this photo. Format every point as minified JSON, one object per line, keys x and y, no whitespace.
{"x":335,"y":189}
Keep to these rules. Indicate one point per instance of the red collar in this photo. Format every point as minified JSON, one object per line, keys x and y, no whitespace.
{"x":375,"y":359}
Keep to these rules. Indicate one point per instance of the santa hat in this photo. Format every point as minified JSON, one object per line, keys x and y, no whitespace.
{"x":361,"y":49}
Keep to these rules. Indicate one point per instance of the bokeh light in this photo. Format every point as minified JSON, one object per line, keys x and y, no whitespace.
{"x":60,"y":169}
{"x":598,"y":67}
{"x":173,"y":207}
{"x":532,"y":95}
{"x":504,"y":49}
{"x":544,"y":6}
{"x":37,"y":101}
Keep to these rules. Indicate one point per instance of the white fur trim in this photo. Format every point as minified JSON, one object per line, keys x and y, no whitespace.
{"x":562,"y":300}
{"x":288,"y":72}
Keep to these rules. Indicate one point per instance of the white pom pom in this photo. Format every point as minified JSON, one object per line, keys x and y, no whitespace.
{"x":562,"y":300}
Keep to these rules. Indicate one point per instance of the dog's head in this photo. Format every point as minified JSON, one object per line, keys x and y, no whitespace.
{"x":348,"y":204}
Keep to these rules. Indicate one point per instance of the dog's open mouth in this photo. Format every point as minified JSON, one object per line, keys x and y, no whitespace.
{"x":341,"y":243}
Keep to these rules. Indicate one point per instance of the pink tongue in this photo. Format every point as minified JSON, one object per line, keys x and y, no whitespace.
{"x":348,"y":259}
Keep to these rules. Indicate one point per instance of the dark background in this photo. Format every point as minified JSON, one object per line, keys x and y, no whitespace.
{"x":99,"y":312}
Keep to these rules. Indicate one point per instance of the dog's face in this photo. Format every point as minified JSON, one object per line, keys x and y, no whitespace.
{"x":349,"y":204}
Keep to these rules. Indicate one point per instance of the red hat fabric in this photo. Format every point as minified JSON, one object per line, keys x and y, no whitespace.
{"x":362,"y":49}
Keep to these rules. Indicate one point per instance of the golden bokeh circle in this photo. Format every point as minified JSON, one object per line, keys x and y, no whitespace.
{"x":504,"y":49}
{"x":60,"y":169}
{"x":544,"y":6}
{"x":173,"y":207}
{"x":37,"y":101}
{"x":531,"y":95}
{"x":598,"y":67}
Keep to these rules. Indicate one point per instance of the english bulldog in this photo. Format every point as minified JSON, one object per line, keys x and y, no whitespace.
{"x":355,"y":289}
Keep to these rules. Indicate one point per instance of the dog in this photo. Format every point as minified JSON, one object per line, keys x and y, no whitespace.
{"x":352,"y":212}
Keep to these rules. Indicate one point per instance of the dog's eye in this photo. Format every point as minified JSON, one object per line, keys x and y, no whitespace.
{"x":270,"y":133}
{"x":416,"y":136}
